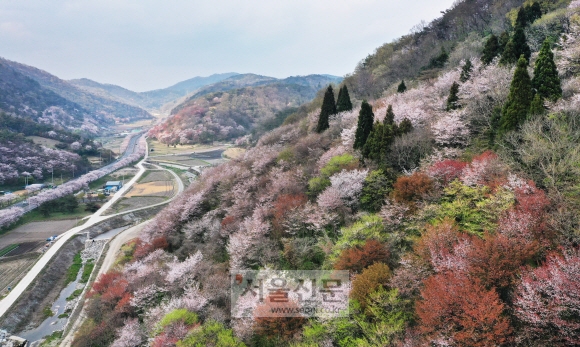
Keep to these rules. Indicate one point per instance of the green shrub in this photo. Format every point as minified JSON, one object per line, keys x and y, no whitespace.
{"x":183,"y":315}
{"x":375,"y":188}
{"x":475,"y":209}
{"x":87,"y":270}
{"x":74,"y":269}
{"x":212,"y":334}
{"x":337,"y":164}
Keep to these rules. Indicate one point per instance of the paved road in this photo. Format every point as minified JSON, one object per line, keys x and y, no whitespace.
{"x":131,"y":147}
{"x":97,"y":217}
{"x":114,"y":246}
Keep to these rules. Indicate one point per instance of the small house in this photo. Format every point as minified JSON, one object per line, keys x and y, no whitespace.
{"x":113,"y":186}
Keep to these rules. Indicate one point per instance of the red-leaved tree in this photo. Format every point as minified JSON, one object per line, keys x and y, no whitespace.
{"x":358,"y":258}
{"x":455,"y":310}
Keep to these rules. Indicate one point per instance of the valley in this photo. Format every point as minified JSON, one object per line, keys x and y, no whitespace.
{"x":428,"y":197}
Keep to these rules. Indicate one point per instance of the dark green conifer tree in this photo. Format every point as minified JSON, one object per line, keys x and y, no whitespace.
{"x":546,"y":81}
{"x":364,"y":125}
{"x":520,"y":97}
{"x":328,"y":109}
{"x":521,"y":44}
{"x":508,"y":57}
{"x":537,"y":106}
{"x":405,"y":127}
{"x":516,"y":47}
{"x":453,"y":98}
{"x":390,"y":116}
{"x":466,"y":71}
{"x":372,"y":147}
{"x":490,"y":50}
{"x":402,"y":87}
{"x":389,"y":133}
{"x":343,"y":102}
{"x":521,"y":20}
{"x":503,"y":40}
{"x":533,"y":12}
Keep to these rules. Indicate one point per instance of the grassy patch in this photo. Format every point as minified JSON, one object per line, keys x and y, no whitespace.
{"x":48,"y":340}
{"x":87,"y":271}
{"x":180,"y":173}
{"x":63,"y":315}
{"x":73,"y":296}
{"x":47,"y":312}
{"x":74,"y":269}
{"x":7,"y":249}
{"x":143,"y":176}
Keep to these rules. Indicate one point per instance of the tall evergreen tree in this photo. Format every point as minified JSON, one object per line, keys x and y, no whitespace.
{"x":390,"y":130}
{"x":372,"y":147}
{"x":546,"y":81}
{"x":508,"y":57}
{"x":389,"y":134}
{"x":453,"y":98}
{"x":533,"y":12}
{"x":405,"y":127}
{"x":364,"y":125}
{"x":402,"y":87}
{"x":537,"y":106}
{"x":343,"y":102}
{"x":466,"y":71}
{"x":521,"y":20}
{"x":503,"y":40}
{"x":328,"y":109}
{"x":518,"y":102}
{"x":516,"y":47}
{"x":390,"y":116}
{"x":521,"y":44}
{"x":490,"y":50}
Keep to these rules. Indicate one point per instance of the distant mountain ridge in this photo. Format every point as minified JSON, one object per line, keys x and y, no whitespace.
{"x":105,"y":110}
{"x":153,"y":99}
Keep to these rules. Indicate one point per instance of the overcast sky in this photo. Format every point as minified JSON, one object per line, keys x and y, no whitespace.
{"x":147,"y":44}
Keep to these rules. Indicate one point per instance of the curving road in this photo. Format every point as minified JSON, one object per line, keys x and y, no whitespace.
{"x":115,"y":245}
{"x":97,"y":217}
{"x":131,"y":147}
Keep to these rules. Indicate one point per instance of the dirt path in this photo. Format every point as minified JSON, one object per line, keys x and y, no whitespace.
{"x":114,"y":247}
{"x":116,"y":243}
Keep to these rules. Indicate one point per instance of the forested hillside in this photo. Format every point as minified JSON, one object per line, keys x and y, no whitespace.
{"x":233,"y":108}
{"x":450,"y":197}
{"x":458,"y":34}
{"x":99,"y":110}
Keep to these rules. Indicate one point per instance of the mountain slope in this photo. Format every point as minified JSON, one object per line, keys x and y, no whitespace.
{"x":150,"y":100}
{"x":448,"y":242}
{"x":99,"y":107}
{"x":232,"y":108}
{"x":23,"y":96}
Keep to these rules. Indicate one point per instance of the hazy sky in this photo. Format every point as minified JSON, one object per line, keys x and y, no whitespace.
{"x":147,"y":44}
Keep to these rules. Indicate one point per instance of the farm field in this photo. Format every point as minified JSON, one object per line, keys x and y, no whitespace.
{"x":13,"y":268}
{"x":112,"y":143}
{"x":234,"y":152}
{"x":43,"y":141}
{"x":126,"y":204}
{"x":158,"y":188}
{"x":162,"y":149}
{"x":180,"y":160}
{"x":155,"y":175}
{"x":35,"y":232}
